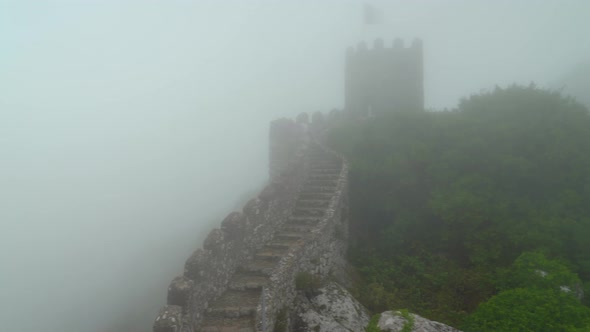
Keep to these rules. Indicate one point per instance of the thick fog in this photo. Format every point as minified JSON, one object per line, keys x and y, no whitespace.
{"x":130,"y":128}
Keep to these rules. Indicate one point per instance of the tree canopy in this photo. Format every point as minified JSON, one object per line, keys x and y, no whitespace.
{"x":443,"y":203}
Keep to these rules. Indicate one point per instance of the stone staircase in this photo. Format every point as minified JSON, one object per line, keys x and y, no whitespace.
{"x":235,"y":309}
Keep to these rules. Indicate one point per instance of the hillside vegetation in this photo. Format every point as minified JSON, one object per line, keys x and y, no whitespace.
{"x":477,"y":217}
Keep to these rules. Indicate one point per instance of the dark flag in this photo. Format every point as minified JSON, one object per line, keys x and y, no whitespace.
{"x":372,"y":15}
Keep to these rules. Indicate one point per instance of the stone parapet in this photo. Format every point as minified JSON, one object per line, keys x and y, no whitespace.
{"x":297,"y":223}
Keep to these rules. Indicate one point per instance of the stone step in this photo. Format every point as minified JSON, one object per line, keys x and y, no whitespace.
{"x":299,"y":228}
{"x":235,"y":303}
{"x":315,"y":185}
{"x":331,"y":171}
{"x":331,"y":184}
{"x":323,"y":159}
{"x":312,"y":203}
{"x":289,"y":236}
{"x":315,"y":166}
{"x":223,"y":324}
{"x":327,"y":183}
{"x":279,"y":245}
{"x":316,"y":152}
{"x":317,"y":189}
{"x":271,"y":254}
{"x":258,"y":266}
{"x":308,"y":212}
{"x":323,"y":156}
{"x":285,"y":242}
{"x":320,"y":176}
{"x":248,"y":281}
{"x":304,"y":220}
{"x":315,"y":196}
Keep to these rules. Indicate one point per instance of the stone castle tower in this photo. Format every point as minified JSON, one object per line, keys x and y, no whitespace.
{"x":384,"y":79}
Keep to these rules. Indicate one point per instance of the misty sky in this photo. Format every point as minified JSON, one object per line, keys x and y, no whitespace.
{"x":128,"y":128}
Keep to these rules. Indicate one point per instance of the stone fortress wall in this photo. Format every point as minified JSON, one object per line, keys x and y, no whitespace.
{"x":245,"y":272}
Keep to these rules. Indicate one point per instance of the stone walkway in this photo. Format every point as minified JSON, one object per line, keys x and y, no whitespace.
{"x":235,"y":310}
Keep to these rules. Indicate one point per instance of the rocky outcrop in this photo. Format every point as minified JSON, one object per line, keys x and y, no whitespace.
{"x":331,"y":309}
{"x":394,"y":321}
{"x":574,"y":288}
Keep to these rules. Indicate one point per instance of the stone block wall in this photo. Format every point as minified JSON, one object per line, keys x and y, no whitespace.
{"x":209,"y":269}
{"x":318,"y":255}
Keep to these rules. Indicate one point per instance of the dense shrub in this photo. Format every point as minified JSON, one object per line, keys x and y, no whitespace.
{"x":529,"y":309}
{"x":442,"y":203}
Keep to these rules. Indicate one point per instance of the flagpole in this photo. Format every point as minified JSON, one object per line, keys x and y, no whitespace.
{"x":363,"y":26}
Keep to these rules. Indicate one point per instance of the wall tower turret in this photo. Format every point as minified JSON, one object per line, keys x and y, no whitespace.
{"x":384,"y":79}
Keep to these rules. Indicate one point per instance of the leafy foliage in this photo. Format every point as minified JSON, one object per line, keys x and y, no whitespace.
{"x":409,"y":325}
{"x":307,"y":282}
{"x":529,"y":309}
{"x":373,"y":324}
{"x":442,"y":203}
{"x":281,"y":321}
{"x":534,"y":270}
{"x":541,"y":295}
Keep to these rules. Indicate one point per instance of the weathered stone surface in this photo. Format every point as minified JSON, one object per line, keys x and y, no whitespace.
{"x":333,"y":309}
{"x":317,"y":251}
{"x":252,"y":210}
{"x":214,"y":240}
{"x":262,"y":247}
{"x":233,"y":225}
{"x":392,"y":321}
{"x":195,"y":265}
{"x":179,"y":291}
{"x":169,"y":319}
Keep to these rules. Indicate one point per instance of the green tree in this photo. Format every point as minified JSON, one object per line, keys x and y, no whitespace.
{"x":442,"y":203}
{"x":529,"y":309}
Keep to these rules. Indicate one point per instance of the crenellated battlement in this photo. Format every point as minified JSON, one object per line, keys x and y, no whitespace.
{"x":379,"y":45}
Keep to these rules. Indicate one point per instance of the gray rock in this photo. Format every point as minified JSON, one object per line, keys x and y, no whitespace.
{"x":392,"y":321}
{"x":332,"y":309}
{"x":576,"y":289}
